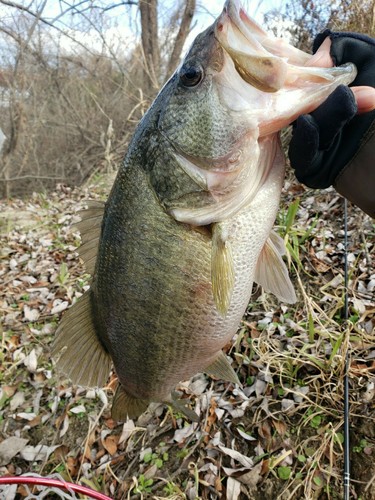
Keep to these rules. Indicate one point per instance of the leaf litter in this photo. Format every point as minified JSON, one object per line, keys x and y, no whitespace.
{"x":280,"y":436}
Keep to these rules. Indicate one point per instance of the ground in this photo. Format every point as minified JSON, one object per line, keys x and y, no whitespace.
{"x":279,"y":436}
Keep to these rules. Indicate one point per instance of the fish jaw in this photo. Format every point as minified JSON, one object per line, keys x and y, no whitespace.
{"x":283,"y":85}
{"x":241,"y":38}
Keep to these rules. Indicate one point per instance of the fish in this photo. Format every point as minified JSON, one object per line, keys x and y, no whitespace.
{"x":188,"y":224}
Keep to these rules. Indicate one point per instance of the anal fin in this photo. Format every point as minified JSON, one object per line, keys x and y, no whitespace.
{"x":222,"y":268}
{"x":271,"y":272}
{"x":127,"y":406}
{"x":222,"y":369}
{"x":85,"y":360}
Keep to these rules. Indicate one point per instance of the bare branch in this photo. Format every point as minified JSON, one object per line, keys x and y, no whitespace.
{"x":181,"y":36}
{"x":44,"y":21}
{"x":108,"y":8}
{"x":21,"y":7}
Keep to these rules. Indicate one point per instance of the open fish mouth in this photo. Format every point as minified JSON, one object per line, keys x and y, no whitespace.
{"x":266,"y":62}
{"x":241,"y":38}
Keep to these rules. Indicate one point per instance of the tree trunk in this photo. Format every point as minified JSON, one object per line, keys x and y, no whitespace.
{"x":150,"y":46}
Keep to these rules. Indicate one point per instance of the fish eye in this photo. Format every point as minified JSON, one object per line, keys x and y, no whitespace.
{"x":190,"y":76}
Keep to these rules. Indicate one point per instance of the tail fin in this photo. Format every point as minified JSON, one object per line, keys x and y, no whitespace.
{"x":85,"y":360}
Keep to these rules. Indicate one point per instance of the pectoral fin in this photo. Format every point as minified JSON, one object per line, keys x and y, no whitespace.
{"x":85,"y":360}
{"x":126,"y":406}
{"x":222,"y":268}
{"x":271,"y":272}
{"x":222,"y":369}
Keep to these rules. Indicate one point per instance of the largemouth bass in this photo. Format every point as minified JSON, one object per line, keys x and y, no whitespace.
{"x":187,"y":227}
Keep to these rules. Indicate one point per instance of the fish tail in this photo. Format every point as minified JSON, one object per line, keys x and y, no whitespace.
{"x":80,"y":353}
{"x":127,"y":406}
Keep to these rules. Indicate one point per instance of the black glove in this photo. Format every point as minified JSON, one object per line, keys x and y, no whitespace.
{"x":325,"y":141}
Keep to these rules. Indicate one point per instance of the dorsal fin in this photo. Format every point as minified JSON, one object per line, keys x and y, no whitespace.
{"x":85,"y":360}
{"x":89,"y":227}
{"x":271,"y":272}
{"x":222,"y":268}
{"x":126,"y":406}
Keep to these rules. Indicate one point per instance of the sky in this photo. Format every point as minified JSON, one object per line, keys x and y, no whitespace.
{"x":124,"y":26}
{"x":121,"y":27}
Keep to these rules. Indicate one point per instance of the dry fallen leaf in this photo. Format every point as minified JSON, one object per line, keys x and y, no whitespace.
{"x":37,"y":453}
{"x":10,"y":447}
{"x":17,"y":400}
{"x":110,"y":443}
{"x":30,"y":314}
{"x":72,"y":464}
{"x":236,"y":455}
{"x":31,"y":361}
{"x":280,"y":427}
{"x":233,"y":489}
{"x":252,"y":477}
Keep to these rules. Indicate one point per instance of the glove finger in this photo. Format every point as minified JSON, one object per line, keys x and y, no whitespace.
{"x":331,"y":116}
{"x":319,"y":39}
{"x":356,"y":48}
{"x":304,"y":146}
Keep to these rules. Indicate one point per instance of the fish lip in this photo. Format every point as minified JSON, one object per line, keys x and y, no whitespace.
{"x":243,"y":40}
{"x":234,"y":11}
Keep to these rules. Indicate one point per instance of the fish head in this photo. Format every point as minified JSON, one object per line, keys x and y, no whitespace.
{"x":194,"y":118}
{"x":221,"y":111}
{"x":283,"y":84}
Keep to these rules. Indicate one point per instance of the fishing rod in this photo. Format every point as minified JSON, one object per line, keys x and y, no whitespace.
{"x":346,"y":374}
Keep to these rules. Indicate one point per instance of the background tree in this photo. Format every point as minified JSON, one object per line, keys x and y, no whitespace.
{"x":304,"y":19}
{"x":70,"y":104}
{"x":72,"y":87}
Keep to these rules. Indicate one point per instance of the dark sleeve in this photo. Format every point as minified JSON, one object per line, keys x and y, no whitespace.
{"x":356,"y":181}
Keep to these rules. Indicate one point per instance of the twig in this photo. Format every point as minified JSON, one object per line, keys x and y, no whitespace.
{"x":370,"y":483}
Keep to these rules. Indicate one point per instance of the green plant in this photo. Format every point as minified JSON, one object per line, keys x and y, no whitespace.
{"x":294,"y":236}
{"x":361,"y":446}
{"x":182,"y":453}
{"x":314,"y":419}
{"x":158,"y":457}
{"x":172,"y":489}
{"x":143,"y":485}
{"x":63,"y":275}
{"x":318,"y":481}
{"x":284,"y":472}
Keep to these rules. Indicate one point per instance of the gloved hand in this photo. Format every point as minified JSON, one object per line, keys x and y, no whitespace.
{"x":325,"y":141}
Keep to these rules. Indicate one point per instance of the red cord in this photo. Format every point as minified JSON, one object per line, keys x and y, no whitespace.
{"x":45,"y":481}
